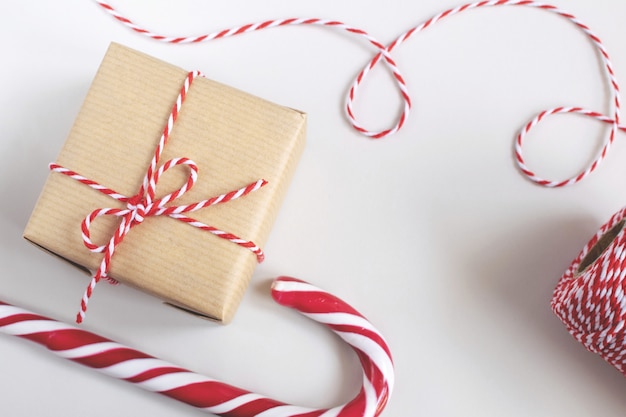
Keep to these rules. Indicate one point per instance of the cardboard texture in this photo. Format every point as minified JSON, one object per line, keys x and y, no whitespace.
{"x":234,"y":138}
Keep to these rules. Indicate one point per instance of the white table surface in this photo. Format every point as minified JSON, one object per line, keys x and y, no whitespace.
{"x":433,"y":234}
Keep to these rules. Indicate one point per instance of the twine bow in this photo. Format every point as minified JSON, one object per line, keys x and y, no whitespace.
{"x":145,"y":204}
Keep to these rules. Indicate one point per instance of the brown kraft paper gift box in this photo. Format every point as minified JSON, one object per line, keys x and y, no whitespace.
{"x":233,"y":137}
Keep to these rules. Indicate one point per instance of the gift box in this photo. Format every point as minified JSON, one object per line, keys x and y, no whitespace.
{"x":233,"y":137}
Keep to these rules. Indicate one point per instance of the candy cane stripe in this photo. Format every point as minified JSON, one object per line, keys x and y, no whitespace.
{"x":168,"y":382}
{"x":235,"y":403}
{"x":31,"y":327}
{"x":134,"y":368}
{"x":341,"y":318}
{"x":207,"y":394}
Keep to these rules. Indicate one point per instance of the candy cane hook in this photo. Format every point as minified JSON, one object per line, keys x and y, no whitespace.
{"x":207,"y":394}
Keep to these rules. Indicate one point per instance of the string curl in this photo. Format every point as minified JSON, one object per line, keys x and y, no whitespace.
{"x":383,"y":54}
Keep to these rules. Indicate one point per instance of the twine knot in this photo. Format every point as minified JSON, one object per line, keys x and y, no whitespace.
{"x":139,"y":210}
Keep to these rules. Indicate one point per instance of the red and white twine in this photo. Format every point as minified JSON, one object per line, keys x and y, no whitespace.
{"x":145,"y":203}
{"x":590,"y":298}
{"x":205,"y":393}
{"x":591,"y":303}
{"x":384,"y":53}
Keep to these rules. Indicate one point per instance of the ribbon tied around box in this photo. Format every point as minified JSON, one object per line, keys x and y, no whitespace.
{"x":145,"y":203}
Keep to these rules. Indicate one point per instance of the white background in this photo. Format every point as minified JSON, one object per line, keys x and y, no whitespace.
{"x":432,"y":233}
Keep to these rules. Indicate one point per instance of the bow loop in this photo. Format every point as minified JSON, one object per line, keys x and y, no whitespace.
{"x":140,"y":207}
{"x":87,"y":222}
{"x":192,"y":178}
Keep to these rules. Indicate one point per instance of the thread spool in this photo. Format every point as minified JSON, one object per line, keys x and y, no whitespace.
{"x":589,"y":298}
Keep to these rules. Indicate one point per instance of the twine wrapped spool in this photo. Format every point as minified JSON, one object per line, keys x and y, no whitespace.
{"x":589,"y":297}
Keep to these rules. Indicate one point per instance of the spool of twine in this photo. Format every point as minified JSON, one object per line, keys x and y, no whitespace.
{"x":589,"y":297}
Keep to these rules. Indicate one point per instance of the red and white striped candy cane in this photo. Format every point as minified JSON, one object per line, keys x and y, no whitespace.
{"x":383,"y":53}
{"x":212,"y":396}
